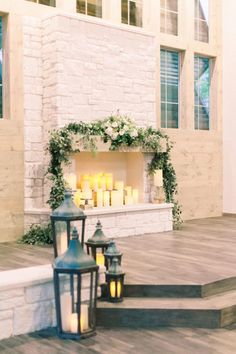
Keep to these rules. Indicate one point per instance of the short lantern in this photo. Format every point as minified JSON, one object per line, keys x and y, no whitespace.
{"x":75,"y":284}
{"x":62,"y":219}
{"x":97,"y":244}
{"x":115,"y":282}
{"x":111,"y":253}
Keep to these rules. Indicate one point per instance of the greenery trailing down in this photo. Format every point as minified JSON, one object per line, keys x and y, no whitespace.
{"x":38,"y":235}
{"x":120,"y":132}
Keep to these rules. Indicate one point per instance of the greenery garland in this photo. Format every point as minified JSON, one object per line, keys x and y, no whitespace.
{"x":120,"y":132}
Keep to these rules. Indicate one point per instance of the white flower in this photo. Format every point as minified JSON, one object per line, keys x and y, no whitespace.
{"x":114,"y":125}
{"x":125,"y":128}
{"x":134,"y":134}
{"x":109,"y":131}
{"x":121,"y":132}
{"x":114,"y":136}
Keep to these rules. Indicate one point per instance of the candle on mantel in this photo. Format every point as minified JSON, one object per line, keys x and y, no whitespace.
{"x":106,"y":198}
{"x":115,"y":198}
{"x":87,"y":193}
{"x":65,"y":311}
{"x":77,"y":196}
{"x":83,"y":320}
{"x":128,"y":190}
{"x":135,"y":196}
{"x":71,"y":180}
{"x":158,"y":178}
{"x":129,"y":200}
{"x":113,"y":285}
{"x":100,"y":260}
{"x":119,"y":185}
{"x":95,"y":182}
{"x":102,"y":182}
{"x":99,"y":197}
{"x":109,"y":181}
{"x":85,"y":184}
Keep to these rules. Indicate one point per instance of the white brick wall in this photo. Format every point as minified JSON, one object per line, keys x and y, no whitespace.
{"x":80,"y":70}
{"x":27,"y":300}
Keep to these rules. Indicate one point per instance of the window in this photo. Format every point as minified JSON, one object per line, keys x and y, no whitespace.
{"x":201,"y":32}
{"x":169,"y":16}
{"x":1,"y":57}
{"x":201,"y":92}
{"x":89,"y":7}
{"x":169,"y":89}
{"x":131,"y":12}
{"x":45,"y":2}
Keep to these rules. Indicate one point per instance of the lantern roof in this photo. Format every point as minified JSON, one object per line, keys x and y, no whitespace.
{"x":67,"y":209}
{"x":74,"y":258}
{"x":112,"y":249}
{"x":115,"y":268}
{"x":98,"y":237}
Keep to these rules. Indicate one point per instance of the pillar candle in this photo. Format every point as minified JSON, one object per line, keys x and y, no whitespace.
{"x":119,"y":185}
{"x":135,"y":196}
{"x":83,"y":320}
{"x":65,"y":311}
{"x":63,"y":242}
{"x":113,"y":288}
{"x":99,"y":197}
{"x":109,"y":181}
{"x":106,"y":198}
{"x":158,"y":178}
{"x":95,"y":183}
{"x":87,"y":193}
{"x":129,"y":200}
{"x":71,"y":180}
{"x":85,"y":184}
{"x":115,"y":198}
{"x":102,"y":183}
{"x":77,"y":196}
{"x":100,"y":260}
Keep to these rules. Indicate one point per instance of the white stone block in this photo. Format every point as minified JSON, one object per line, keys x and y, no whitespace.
{"x":6,"y":328}
{"x":39,"y":293}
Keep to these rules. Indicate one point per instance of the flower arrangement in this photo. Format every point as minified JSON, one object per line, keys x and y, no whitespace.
{"x":119,"y":131}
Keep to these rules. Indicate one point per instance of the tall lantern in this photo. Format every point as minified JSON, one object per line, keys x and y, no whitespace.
{"x":115,"y":282}
{"x":62,"y":219}
{"x":97,"y":244}
{"x":75,"y":284}
{"x":111,"y":253}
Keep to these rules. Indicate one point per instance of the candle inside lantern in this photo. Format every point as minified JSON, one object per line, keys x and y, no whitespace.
{"x":100,"y":260}
{"x":65,"y":311}
{"x":113,"y":286}
{"x":135,"y":196}
{"x":71,"y":180}
{"x":106,"y":198}
{"x":83,"y":320}
{"x":63,"y":242}
{"x":158,"y":178}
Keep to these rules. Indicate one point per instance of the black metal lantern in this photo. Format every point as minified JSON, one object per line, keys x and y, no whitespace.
{"x":115,"y":282}
{"x":97,"y":244}
{"x":75,"y":284}
{"x":111,"y":253}
{"x":62,"y":219}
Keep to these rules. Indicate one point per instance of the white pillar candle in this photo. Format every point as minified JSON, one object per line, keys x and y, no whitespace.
{"x":95,"y":183}
{"x":135,"y":196}
{"x":102,"y":183}
{"x":71,"y":180}
{"x":129,"y":200}
{"x":109,"y":181}
{"x":77,"y":196}
{"x":100,"y":260}
{"x":99,"y":197}
{"x":87,"y":193}
{"x":83,"y":320}
{"x":119,"y":185}
{"x":106,"y":198}
{"x":113,"y":288}
{"x":66,"y":305}
{"x":158,"y":178}
{"x":115,"y":198}
{"x":63,"y":242}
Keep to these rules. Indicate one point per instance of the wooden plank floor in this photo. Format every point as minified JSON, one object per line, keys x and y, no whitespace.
{"x":159,"y":341}
{"x":201,"y":251}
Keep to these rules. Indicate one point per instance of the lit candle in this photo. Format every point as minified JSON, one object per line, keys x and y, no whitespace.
{"x":85,"y":184}
{"x":87,"y":193}
{"x":115,"y":198}
{"x":109,"y":181}
{"x":135,"y":196}
{"x":119,"y":185}
{"x":95,"y":183}
{"x":65,"y":311}
{"x":83,"y":320}
{"x":129,"y":200}
{"x":63,"y":242}
{"x":100,"y":260}
{"x":158,"y":178}
{"x":77,"y":197}
{"x":70,"y":179}
{"x":102,"y":183}
{"x":128,"y":190}
{"x":113,"y":286}
{"x":99,"y":197}
{"x":106,"y":198}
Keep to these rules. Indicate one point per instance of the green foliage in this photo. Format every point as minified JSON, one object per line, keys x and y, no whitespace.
{"x":119,"y":131}
{"x":38,"y":235}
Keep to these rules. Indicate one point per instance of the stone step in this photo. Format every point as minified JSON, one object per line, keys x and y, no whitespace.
{"x":212,"y":312}
{"x":180,"y":290}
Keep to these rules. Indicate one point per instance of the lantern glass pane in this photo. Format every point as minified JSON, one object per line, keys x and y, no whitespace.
{"x":61,"y":236}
